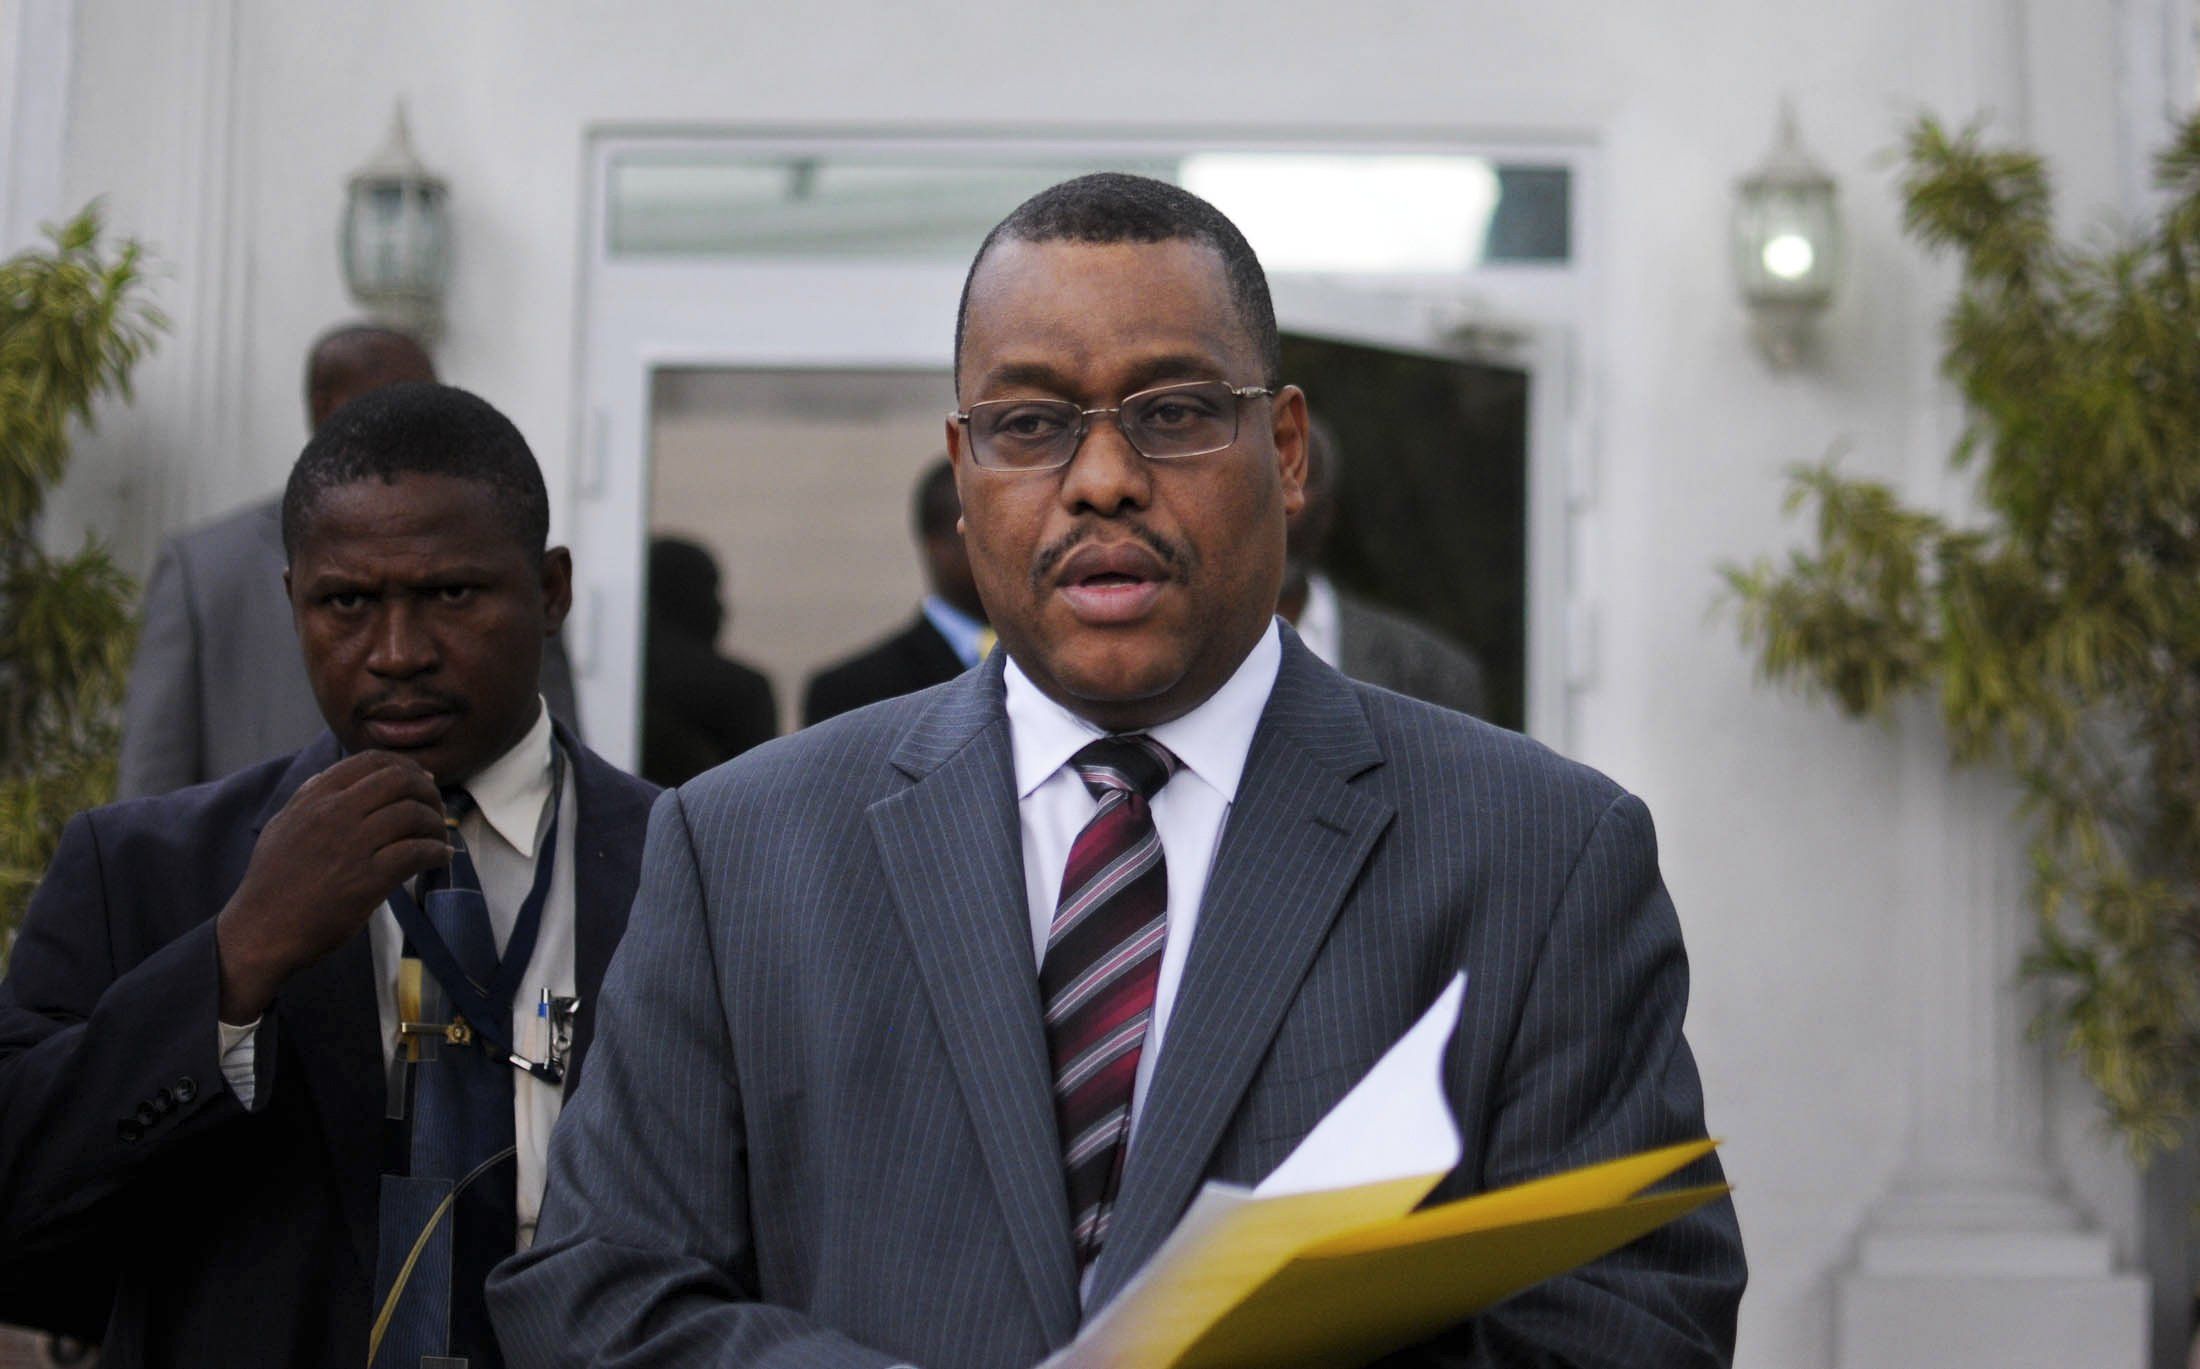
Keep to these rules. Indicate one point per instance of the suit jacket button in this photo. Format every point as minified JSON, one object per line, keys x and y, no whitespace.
{"x":187,"y":1089}
{"x":146,"y":1116}
{"x":128,"y":1130}
{"x":163,"y":1101}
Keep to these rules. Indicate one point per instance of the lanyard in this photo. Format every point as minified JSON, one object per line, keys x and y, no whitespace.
{"x":488,"y":1008}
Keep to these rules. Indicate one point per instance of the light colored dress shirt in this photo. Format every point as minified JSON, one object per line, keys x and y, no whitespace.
{"x":1212,"y":741}
{"x":965,"y":635}
{"x":1319,"y":623}
{"x":503,"y":833}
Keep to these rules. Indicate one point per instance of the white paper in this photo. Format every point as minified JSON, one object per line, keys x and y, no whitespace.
{"x":1395,"y":1122}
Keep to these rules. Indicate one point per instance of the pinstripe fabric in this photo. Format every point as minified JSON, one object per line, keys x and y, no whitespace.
{"x":817,"y":1124}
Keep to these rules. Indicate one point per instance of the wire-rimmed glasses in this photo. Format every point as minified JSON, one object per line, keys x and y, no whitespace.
{"x":1164,"y":424}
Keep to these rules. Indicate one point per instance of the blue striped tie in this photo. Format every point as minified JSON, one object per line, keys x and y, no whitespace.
{"x":461,"y":1122}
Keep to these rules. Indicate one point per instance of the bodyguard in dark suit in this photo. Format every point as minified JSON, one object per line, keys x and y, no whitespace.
{"x":931,"y":1020}
{"x":199,"y":1020}
{"x":216,"y":684}
{"x":949,"y":633}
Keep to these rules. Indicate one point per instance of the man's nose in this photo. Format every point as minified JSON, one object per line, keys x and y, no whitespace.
{"x":1106,"y":474}
{"x":403,"y":644}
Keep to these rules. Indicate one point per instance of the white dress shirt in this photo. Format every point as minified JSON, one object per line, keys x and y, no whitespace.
{"x":1212,"y":741}
{"x":503,"y":833}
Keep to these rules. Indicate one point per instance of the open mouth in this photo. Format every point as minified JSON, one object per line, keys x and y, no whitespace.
{"x":1111,"y":584}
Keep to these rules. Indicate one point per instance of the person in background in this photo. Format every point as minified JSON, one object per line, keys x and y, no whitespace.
{"x":245,"y":1060}
{"x":1361,"y":639}
{"x":949,"y":634}
{"x":216,"y":684}
{"x":698,"y":708}
{"x":932,"y":1019}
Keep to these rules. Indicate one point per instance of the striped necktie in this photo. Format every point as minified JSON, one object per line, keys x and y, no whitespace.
{"x":461,"y":1152}
{"x":1097,"y":980}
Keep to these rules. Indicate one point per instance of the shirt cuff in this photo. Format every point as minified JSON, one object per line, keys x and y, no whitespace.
{"x":239,"y":1049}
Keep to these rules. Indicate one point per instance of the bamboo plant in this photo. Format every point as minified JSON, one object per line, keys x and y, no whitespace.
{"x":74,"y":320}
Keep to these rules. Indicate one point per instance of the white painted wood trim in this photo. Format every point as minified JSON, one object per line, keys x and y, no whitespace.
{"x":37,"y":60}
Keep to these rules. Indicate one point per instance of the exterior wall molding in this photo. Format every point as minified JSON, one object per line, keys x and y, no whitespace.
{"x":184,"y":190}
{"x":1976,"y":1255}
{"x":2155,"y":62}
{"x":37,"y":45}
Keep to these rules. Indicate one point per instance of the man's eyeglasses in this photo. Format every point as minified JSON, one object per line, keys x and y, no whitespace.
{"x":1163,"y":424}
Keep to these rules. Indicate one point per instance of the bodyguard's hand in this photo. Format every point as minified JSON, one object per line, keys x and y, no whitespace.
{"x":319,"y":870}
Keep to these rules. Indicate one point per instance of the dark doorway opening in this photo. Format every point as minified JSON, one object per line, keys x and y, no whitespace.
{"x":1432,"y":517}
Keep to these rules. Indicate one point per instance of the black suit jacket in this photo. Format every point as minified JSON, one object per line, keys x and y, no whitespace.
{"x":917,"y":657}
{"x":228,"y":1237}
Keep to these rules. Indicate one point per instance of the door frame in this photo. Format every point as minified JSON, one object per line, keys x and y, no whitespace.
{"x":640,"y":314}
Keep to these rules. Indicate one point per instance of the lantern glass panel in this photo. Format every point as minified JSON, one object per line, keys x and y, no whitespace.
{"x":394,"y":240}
{"x":1786,"y":241}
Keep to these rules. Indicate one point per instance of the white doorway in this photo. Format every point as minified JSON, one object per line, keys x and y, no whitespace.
{"x":760,"y":337}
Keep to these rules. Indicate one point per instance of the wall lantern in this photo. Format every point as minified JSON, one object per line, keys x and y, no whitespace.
{"x":1787,"y":244}
{"x":396,"y":236}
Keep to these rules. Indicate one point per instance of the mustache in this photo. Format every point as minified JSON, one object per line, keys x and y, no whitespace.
{"x":1173,"y":555}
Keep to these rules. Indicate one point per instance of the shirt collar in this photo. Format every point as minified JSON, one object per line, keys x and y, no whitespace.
{"x":964,"y":633}
{"x":1212,"y":740}
{"x":510,"y":791}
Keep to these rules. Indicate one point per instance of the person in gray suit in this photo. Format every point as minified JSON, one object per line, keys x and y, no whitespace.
{"x":1363,"y":639}
{"x":217,"y":682}
{"x":868,"y":1092}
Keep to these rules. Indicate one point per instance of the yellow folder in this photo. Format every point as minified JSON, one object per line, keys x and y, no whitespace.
{"x":1341,"y":1277}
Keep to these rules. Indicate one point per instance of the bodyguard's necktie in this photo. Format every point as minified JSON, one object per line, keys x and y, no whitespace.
{"x":461,"y":1133}
{"x":1097,"y":980}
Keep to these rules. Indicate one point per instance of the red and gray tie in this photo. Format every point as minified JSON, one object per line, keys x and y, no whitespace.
{"x":1103,"y":959}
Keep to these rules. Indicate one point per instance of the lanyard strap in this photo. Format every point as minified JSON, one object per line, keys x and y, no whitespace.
{"x":489,"y":1008}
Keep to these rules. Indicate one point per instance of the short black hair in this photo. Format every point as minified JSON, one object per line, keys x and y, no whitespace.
{"x":935,"y":504}
{"x":1115,"y":206}
{"x":420,"y":427}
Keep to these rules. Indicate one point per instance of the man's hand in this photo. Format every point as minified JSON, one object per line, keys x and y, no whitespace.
{"x":319,"y":870}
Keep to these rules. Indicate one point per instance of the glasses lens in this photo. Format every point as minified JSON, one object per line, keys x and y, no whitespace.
{"x":1182,"y":420}
{"x":1018,"y":434}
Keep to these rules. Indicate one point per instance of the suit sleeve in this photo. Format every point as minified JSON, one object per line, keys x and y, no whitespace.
{"x":162,"y":708}
{"x":101,"y":1073}
{"x":644,"y":1254}
{"x":1599,"y":1069}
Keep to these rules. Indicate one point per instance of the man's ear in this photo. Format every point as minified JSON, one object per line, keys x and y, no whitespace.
{"x":557,"y":588}
{"x":1289,"y":434}
{"x":955,"y":460}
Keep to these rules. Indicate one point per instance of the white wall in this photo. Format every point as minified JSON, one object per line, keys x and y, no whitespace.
{"x":1778,"y":820}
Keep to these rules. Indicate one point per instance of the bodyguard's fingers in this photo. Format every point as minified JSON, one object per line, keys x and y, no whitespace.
{"x":404,"y":820}
{"x":392,"y":778}
{"x":401,"y":860}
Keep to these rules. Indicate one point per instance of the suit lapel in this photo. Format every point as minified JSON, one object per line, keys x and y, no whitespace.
{"x":1296,"y":838}
{"x":327,"y":1016}
{"x":952,"y":850}
{"x":612,"y":814}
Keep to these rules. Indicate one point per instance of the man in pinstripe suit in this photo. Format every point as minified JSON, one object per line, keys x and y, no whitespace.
{"x":863,"y":1094}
